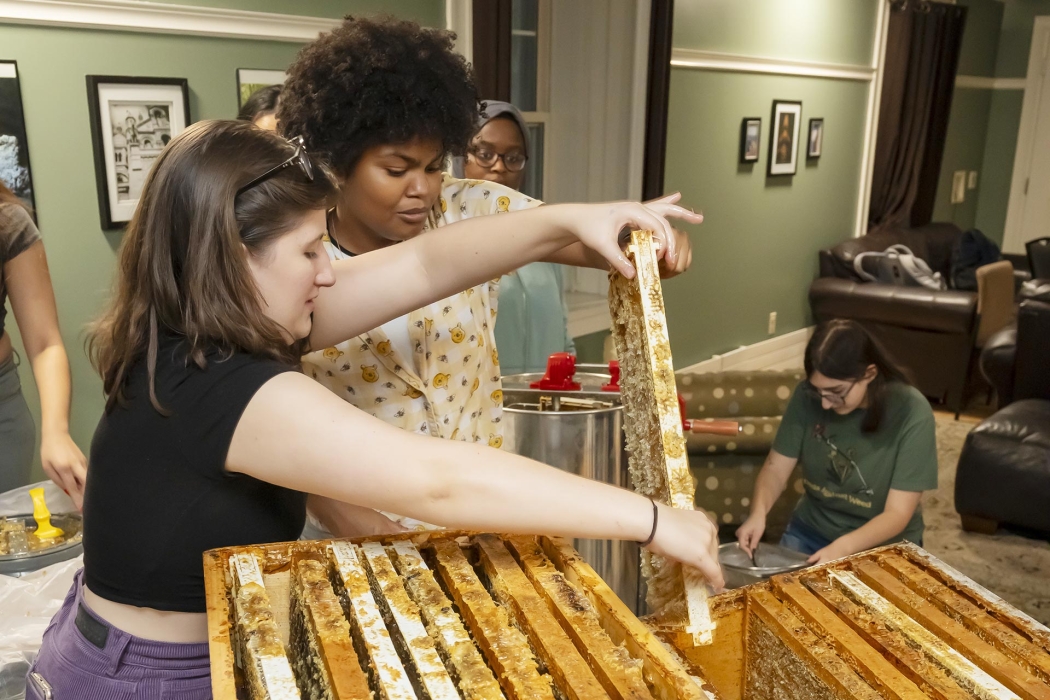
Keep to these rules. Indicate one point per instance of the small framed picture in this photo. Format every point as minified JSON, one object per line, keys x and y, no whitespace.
{"x":14,"y":149}
{"x":251,"y":79}
{"x":750,"y":135}
{"x":816,"y":138}
{"x":783,"y":140}
{"x":132,"y":120}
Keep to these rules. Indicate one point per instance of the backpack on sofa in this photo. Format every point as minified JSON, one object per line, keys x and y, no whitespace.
{"x":898,"y":265}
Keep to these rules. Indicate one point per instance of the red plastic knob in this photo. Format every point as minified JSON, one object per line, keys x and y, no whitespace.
{"x":561,"y":367}
{"x":614,"y":377}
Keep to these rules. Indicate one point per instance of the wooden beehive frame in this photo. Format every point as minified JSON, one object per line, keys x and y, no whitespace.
{"x":893,"y":622}
{"x":659,"y":465}
{"x":440,"y":615}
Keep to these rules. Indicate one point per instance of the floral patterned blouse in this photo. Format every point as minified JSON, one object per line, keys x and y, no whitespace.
{"x":450,"y":386}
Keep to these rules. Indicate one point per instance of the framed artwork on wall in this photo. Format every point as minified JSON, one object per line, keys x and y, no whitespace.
{"x":783,"y":139}
{"x":750,"y":136}
{"x":816,"y":138}
{"x":251,"y":79}
{"x":132,"y":120}
{"x":14,"y":149}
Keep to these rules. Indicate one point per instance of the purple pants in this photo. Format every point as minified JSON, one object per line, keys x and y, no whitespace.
{"x":84,"y":658}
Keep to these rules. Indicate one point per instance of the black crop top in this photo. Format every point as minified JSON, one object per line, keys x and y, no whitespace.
{"x":158,"y":493}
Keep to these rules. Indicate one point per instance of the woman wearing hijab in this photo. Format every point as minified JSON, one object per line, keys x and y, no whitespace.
{"x":532,"y":321}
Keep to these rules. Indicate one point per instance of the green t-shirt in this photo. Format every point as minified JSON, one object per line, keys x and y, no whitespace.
{"x":901,"y":455}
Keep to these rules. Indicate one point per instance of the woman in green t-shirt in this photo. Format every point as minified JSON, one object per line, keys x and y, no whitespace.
{"x":866,"y":441}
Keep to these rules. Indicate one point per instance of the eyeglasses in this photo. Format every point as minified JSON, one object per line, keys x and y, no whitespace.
{"x":300,"y":158}
{"x":835,"y":398}
{"x":841,"y":463}
{"x":514,"y":162}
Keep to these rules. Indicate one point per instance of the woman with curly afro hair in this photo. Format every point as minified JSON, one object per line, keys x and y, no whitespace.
{"x":387,"y":102}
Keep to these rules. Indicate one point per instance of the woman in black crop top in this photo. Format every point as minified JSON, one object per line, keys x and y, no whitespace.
{"x":211,"y":438}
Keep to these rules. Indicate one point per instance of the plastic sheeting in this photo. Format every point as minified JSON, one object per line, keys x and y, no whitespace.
{"x":28,"y":602}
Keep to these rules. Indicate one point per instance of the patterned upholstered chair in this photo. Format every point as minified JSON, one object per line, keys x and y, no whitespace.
{"x":725,"y":468}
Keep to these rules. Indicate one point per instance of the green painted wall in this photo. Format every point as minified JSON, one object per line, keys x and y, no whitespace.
{"x":757,"y":250}
{"x":1015,"y":43}
{"x":980,"y":44}
{"x":590,"y":347}
{"x":429,"y":13}
{"x":982,"y":131}
{"x":964,"y":145}
{"x":1004,"y":120}
{"x":52,"y":63}
{"x":963,"y":150}
{"x":829,"y":31}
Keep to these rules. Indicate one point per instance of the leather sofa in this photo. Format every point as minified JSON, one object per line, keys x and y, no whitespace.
{"x":1004,"y":468}
{"x":931,"y":334}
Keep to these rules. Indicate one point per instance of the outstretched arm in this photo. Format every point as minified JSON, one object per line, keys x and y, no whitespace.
{"x":297,"y":434}
{"x":895,"y":516}
{"x":33,"y":301}
{"x":374,"y":288}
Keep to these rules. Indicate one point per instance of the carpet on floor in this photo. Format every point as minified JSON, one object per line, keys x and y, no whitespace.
{"x":1013,"y":567}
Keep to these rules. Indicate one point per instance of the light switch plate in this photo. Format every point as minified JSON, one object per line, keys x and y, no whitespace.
{"x":971,"y":180}
{"x":958,"y":187}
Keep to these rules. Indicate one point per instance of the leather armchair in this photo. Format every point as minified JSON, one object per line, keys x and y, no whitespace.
{"x":1004,"y":468}
{"x":931,"y":334}
{"x":1014,"y":360}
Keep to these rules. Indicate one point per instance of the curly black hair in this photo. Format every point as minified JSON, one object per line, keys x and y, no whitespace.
{"x":375,"y":81}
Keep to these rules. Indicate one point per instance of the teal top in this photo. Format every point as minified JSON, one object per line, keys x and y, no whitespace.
{"x":831,"y":449}
{"x":532,"y":321}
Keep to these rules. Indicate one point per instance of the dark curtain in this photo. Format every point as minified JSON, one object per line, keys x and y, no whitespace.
{"x":491,"y":38}
{"x":661,"y":23}
{"x":922,"y":55}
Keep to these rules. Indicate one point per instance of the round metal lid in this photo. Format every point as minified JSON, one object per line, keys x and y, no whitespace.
{"x":769,"y":559}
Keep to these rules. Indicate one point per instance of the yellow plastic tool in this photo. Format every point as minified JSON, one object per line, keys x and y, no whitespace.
{"x":44,"y":529}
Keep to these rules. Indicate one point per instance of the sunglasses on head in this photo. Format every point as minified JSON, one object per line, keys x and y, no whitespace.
{"x":300,"y":158}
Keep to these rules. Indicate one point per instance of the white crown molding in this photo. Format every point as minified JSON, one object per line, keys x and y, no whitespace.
{"x":137,"y":16}
{"x":710,"y":60}
{"x":980,"y":82}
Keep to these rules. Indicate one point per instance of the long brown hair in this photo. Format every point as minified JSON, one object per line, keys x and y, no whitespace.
{"x":183,"y":266}
{"x":843,"y":350}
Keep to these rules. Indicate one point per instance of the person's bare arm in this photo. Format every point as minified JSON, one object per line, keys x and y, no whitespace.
{"x":297,"y":434}
{"x":33,"y":302}
{"x":372,"y":289}
{"x":900,"y":507}
{"x":347,"y":520}
{"x":771,"y":482}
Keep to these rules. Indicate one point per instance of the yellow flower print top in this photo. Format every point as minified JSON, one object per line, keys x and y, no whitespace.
{"x":450,"y":387}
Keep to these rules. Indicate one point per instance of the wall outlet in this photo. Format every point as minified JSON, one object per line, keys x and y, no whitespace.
{"x":772,"y":322}
{"x":971,"y":180}
{"x":958,"y":187}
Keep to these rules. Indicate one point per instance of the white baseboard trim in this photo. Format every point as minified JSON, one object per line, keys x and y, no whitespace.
{"x":980,"y":82}
{"x":165,"y":18}
{"x":782,"y":352}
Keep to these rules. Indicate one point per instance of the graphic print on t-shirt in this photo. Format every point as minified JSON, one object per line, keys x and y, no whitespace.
{"x":842,"y":471}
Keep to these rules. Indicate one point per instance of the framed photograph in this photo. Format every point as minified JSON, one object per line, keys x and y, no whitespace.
{"x":783,"y":140}
{"x":750,"y":135}
{"x":251,"y":79}
{"x":132,"y":120}
{"x":816,"y":138}
{"x":14,"y":149}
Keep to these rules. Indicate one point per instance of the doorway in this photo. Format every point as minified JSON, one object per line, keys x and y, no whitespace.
{"x":1028,"y":213}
